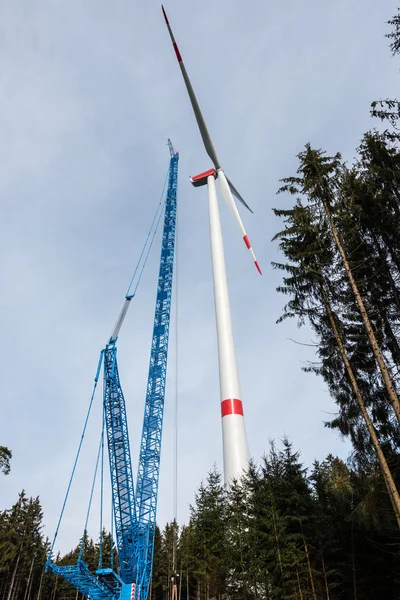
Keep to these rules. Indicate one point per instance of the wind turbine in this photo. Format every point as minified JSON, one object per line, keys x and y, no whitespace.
{"x":235,"y":448}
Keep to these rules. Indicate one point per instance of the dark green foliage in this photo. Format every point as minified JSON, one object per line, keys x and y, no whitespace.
{"x":352,"y":212}
{"x":282,"y":532}
{"x":361,"y":201}
{"x":394,"y":35}
{"x":160,"y":568}
{"x":277,"y":533}
{"x":389,"y":110}
{"x":5,"y":457}
{"x":208,"y":535}
{"x":22,"y":548}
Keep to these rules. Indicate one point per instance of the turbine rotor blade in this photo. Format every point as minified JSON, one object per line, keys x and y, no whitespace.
{"x":227,"y":195}
{"x":227,"y":187}
{"x":237,"y":195}
{"x":207,"y":141}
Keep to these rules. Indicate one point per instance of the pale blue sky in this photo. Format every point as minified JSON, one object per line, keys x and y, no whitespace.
{"x":89,"y":93}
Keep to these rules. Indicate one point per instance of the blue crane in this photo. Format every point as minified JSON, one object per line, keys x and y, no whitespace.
{"x":134,"y":514}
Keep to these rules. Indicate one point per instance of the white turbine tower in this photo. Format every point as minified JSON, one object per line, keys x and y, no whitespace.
{"x":235,"y":448}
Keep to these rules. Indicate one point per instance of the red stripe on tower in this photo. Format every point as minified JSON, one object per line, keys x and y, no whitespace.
{"x":231,"y":406}
{"x":133,"y":591}
{"x":178,"y":54}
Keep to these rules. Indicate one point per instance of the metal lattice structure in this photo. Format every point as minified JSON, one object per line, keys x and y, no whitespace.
{"x":95,"y":586}
{"x":134,"y":515}
{"x":120,"y":464}
{"x":150,"y":447}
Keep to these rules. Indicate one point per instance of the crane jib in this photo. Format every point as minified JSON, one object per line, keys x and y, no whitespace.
{"x":134,"y":512}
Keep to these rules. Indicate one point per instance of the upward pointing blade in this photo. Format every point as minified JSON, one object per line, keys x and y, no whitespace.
{"x":209,"y":146}
{"x":227,"y":187}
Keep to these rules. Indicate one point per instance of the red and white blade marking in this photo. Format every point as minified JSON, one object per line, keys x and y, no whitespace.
{"x":249,"y":247}
{"x":207,"y":141}
{"x":165,"y":15}
{"x":227,"y":194}
{"x":226,"y":186}
{"x":175,"y":45}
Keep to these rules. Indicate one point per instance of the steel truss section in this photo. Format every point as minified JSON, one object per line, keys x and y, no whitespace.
{"x":120,"y":465}
{"x":150,"y":447}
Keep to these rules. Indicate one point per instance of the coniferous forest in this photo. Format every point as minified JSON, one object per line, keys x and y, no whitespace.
{"x":330,"y":532}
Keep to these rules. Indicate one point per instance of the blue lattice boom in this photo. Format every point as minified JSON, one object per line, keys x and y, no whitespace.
{"x":135,"y":515}
{"x":150,"y":447}
{"x":120,"y":465}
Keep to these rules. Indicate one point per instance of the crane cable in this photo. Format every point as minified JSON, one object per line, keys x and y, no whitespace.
{"x":159,"y":206}
{"x":100,"y":565}
{"x":96,"y":379}
{"x":83,"y":542}
{"x":145,"y":252}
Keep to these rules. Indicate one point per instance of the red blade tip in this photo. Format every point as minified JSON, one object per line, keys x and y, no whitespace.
{"x":258,"y":267}
{"x":178,"y":54}
{"x":165,"y":15}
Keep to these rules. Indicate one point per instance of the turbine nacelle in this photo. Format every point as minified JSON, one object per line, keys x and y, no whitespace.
{"x":202,"y":178}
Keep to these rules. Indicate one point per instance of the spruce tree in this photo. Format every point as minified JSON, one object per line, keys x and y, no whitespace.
{"x":209,"y":529}
{"x":344,"y":312}
{"x":5,"y":457}
{"x":389,"y":110}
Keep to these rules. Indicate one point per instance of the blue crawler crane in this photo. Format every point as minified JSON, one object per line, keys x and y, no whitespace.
{"x":134,"y":514}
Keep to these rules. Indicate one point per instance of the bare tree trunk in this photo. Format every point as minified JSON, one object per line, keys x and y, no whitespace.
{"x":298,"y":583}
{"x":16,"y":590}
{"x":187,"y":584}
{"x":387,"y":475}
{"x":28,"y":583}
{"x":30,"y":587}
{"x":353,"y":560}
{"x":53,"y":594}
{"x":325,"y":578}
{"x":367,"y":323}
{"x":308,"y":564}
{"x":174,"y":589}
{"x":11,"y":588}
{"x":3,"y":585}
{"x":40,"y":585}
